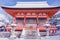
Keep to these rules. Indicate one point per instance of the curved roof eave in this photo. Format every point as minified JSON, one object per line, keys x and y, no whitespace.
{"x":42,"y":4}
{"x":52,"y":7}
{"x":30,"y":7}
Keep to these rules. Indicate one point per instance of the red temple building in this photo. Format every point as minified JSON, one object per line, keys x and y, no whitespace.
{"x":31,"y":13}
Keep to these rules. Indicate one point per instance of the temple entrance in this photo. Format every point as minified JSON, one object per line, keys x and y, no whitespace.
{"x":41,"y":21}
{"x":31,"y":22}
{"x":20,"y":21}
{"x":42,"y":28}
{"x":30,"y":32}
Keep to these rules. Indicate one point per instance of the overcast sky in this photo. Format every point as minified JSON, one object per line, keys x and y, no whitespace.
{"x":13,"y":2}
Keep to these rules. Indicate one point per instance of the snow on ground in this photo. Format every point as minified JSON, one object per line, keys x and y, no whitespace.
{"x":42,"y":38}
{"x":55,"y":37}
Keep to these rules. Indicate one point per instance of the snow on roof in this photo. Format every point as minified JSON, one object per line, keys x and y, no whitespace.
{"x":47,"y":24}
{"x":31,"y":4}
{"x":42,"y":4}
{"x":58,"y":25}
{"x":4,"y":17}
{"x":57,"y":12}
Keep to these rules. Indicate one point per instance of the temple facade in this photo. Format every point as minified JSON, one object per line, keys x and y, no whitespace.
{"x":31,"y":13}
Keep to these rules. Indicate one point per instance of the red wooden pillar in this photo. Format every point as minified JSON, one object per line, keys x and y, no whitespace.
{"x":24,"y":20}
{"x":15,"y":13}
{"x":14,"y":20}
{"x":37,"y":20}
{"x":47,"y":17}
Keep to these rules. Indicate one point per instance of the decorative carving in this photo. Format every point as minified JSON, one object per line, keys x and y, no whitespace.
{"x":33,"y":13}
{"x":18,"y":14}
{"x":28,"y":14}
{"x":21,"y":13}
{"x":44,"y":14}
{"x":40,"y":14}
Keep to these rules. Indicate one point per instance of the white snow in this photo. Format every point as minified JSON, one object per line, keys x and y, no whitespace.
{"x":32,"y":4}
{"x":5,"y":17}
{"x":56,"y":37}
{"x":57,"y":12}
{"x":44,"y":38}
{"x":42,"y":4}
